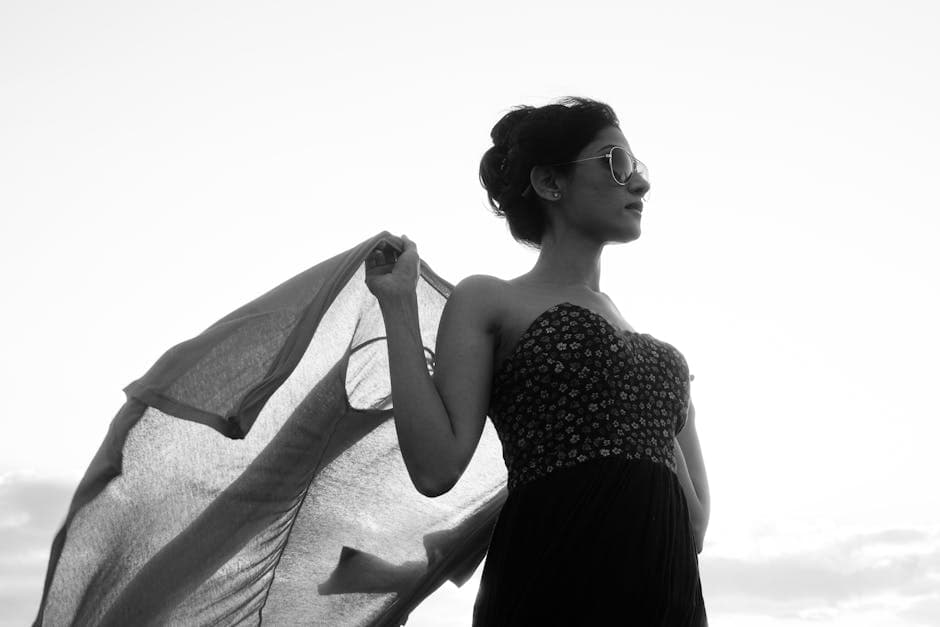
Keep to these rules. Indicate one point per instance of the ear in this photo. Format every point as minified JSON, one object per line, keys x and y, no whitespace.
{"x":546,"y":182}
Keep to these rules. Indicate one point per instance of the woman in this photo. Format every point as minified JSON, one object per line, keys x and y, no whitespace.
{"x":604,"y":519}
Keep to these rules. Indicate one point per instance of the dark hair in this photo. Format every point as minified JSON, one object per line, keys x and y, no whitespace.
{"x":529,"y":136}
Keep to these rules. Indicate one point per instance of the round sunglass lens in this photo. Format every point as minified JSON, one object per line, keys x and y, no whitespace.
{"x":621,"y":165}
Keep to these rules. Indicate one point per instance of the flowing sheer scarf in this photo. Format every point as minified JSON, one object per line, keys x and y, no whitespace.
{"x":253,"y":476}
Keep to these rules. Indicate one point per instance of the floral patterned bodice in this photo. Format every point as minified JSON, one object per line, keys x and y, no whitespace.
{"x":577,"y":388}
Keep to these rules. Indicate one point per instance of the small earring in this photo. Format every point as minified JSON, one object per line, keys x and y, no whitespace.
{"x":556,"y":195}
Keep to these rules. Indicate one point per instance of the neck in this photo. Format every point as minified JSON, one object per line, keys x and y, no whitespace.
{"x":568,"y":262}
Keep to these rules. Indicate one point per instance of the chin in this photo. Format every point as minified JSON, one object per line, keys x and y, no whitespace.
{"x":626,"y":237}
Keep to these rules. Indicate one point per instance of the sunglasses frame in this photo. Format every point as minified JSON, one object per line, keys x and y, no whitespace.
{"x":610,"y":164}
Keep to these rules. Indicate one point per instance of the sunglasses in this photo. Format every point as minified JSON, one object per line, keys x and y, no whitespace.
{"x":622,"y":164}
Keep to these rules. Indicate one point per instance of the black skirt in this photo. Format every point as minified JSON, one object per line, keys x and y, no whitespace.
{"x":606,"y":542}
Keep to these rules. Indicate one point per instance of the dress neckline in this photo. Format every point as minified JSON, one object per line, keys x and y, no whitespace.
{"x":512,"y":354}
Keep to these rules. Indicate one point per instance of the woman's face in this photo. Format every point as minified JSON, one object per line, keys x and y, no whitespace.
{"x":594,"y":199}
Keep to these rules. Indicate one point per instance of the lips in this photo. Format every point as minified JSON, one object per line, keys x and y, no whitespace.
{"x":635,"y":205}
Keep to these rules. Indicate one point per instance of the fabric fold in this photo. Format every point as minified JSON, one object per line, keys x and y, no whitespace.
{"x":254,"y":476}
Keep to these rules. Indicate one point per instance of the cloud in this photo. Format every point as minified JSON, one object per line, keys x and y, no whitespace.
{"x":893,"y":569}
{"x":924,"y":611}
{"x":30,"y":507}
{"x":31,"y":511}
{"x":899,"y":566}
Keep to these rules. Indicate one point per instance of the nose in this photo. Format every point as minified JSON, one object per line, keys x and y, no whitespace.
{"x":638,"y":186}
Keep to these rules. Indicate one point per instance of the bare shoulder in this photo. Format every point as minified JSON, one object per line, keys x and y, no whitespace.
{"x":483,"y":294}
{"x":484,"y":282}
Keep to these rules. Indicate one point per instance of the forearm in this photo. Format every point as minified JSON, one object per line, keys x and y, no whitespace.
{"x":698,"y":510}
{"x":425,"y":434}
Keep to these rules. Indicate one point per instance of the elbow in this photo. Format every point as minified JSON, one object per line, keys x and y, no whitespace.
{"x":434,"y":490}
{"x":427,"y":479}
{"x":433,"y":494}
{"x":436,"y":486}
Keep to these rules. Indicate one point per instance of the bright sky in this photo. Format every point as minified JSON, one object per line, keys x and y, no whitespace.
{"x":162,"y":163}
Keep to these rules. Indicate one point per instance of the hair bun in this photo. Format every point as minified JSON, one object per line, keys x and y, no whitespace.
{"x":502,"y":162}
{"x":503,"y":130}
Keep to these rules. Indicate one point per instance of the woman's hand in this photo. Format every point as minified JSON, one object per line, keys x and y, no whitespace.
{"x":402,"y":280}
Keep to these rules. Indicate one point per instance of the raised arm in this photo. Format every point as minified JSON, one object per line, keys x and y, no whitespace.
{"x":439,"y":419}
